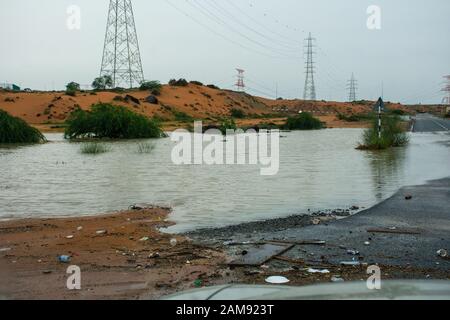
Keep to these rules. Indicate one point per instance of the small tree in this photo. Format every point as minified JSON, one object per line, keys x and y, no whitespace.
{"x":73,"y":86}
{"x":154,"y":86}
{"x":103,"y":82}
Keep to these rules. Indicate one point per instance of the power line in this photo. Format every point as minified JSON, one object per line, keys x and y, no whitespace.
{"x":215,"y":18}
{"x":221,"y":35}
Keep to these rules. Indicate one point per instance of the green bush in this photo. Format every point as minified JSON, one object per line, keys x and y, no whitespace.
{"x":182,"y":116}
{"x":103,"y":82}
{"x":237,"y":113}
{"x":398,"y":112}
{"x":109,"y":121}
{"x":212,"y":86}
{"x":178,"y":83}
{"x":303,"y":121}
{"x":392,"y":135}
{"x":154,"y":86}
{"x":197,"y":83}
{"x":227,"y":124}
{"x":94,"y":148}
{"x":15,"y":130}
{"x":73,"y":86}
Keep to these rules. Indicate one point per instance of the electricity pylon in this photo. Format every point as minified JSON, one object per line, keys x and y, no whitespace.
{"x":121,"y":56}
{"x":310,"y":87}
{"x":352,"y":87}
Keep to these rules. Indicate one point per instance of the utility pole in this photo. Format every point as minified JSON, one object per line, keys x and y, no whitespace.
{"x":121,"y":55}
{"x":352,"y":87}
{"x":240,"y":85}
{"x":309,"y":92}
{"x":380,"y":108}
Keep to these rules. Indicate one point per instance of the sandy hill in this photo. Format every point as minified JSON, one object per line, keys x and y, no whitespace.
{"x":196,"y":101}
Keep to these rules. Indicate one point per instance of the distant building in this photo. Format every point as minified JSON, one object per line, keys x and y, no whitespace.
{"x":10,"y":86}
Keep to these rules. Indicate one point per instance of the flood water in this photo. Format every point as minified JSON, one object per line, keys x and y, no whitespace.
{"x":318,"y":170}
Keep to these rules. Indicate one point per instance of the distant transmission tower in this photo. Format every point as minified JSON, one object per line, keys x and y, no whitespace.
{"x":240,"y":85}
{"x":446,"y":89}
{"x":310,"y":87}
{"x":121,"y":56}
{"x":352,"y":87}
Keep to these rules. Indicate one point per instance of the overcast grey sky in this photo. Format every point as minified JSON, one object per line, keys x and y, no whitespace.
{"x":409,"y":54}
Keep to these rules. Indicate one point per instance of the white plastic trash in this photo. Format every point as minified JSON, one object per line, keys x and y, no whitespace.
{"x":277,"y":280}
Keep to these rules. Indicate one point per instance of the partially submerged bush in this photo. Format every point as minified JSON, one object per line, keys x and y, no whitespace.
{"x":303,"y":121}
{"x":109,"y":121}
{"x":15,"y":130}
{"x":145,"y":148}
{"x":392,"y":135}
{"x":94,"y":148}
{"x":178,"y":83}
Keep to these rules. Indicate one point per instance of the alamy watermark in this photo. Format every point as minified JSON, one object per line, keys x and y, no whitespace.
{"x":73,"y":21}
{"x":74,"y":279}
{"x":374,"y":19}
{"x":235,"y":148}
{"x":374,"y":281}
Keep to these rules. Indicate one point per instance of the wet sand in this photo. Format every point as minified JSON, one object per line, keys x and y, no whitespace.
{"x":118,"y":264}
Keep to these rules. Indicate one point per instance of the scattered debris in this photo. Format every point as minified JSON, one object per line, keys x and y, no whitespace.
{"x":324,"y":271}
{"x":277,"y":280}
{"x":408,"y":197}
{"x":144,"y":239}
{"x":101,"y":232}
{"x":316,"y":221}
{"x":353,"y":252}
{"x":367,"y":243}
{"x":442,"y":253}
{"x":350,"y":263}
{"x":79,"y":228}
{"x":5,"y":249}
{"x":252,"y":272}
{"x":261,"y":254}
{"x":154,"y":255}
{"x":302,"y":243}
{"x":64,"y":259}
{"x":70,"y":237}
{"x":394,"y":230}
{"x":337,"y":279}
{"x":354,"y":208}
{"x":173,"y":242}
{"x":47,"y":272}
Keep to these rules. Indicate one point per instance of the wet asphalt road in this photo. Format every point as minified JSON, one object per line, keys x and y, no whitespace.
{"x":429,"y":123}
{"x":428,"y":212}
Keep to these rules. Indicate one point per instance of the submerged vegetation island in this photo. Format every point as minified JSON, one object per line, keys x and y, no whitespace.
{"x":393,"y":134}
{"x":16,"y":130}
{"x":303,"y":121}
{"x":112,"y":122}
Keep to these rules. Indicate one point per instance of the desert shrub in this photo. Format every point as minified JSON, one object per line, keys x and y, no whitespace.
{"x":392,"y":135}
{"x":237,"y":113}
{"x":73,"y":86}
{"x":15,"y":130}
{"x":178,"y":83}
{"x":109,"y":121}
{"x":94,"y":148}
{"x":303,"y":121}
{"x":154,"y":87}
{"x":182,"y":116}
{"x":211,"y":86}
{"x":227,"y":124}
{"x":398,"y":112}
{"x":197,"y":83}
{"x":103,"y":82}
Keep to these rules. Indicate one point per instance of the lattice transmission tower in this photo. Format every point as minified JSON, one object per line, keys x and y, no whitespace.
{"x":446,"y":89}
{"x":309,"y":92}
{"x":240,"y":85}
{"x":121,"y":55}
{"x":352,"y":86}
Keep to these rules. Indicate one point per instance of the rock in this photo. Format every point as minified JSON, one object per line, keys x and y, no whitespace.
{"x":129,"y":98}
{"x":442,"y":253}
{"x":337,"y":279}
{"x":152,"y":100}
{"x":408,"y":197}
{"x":354,"y":208}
